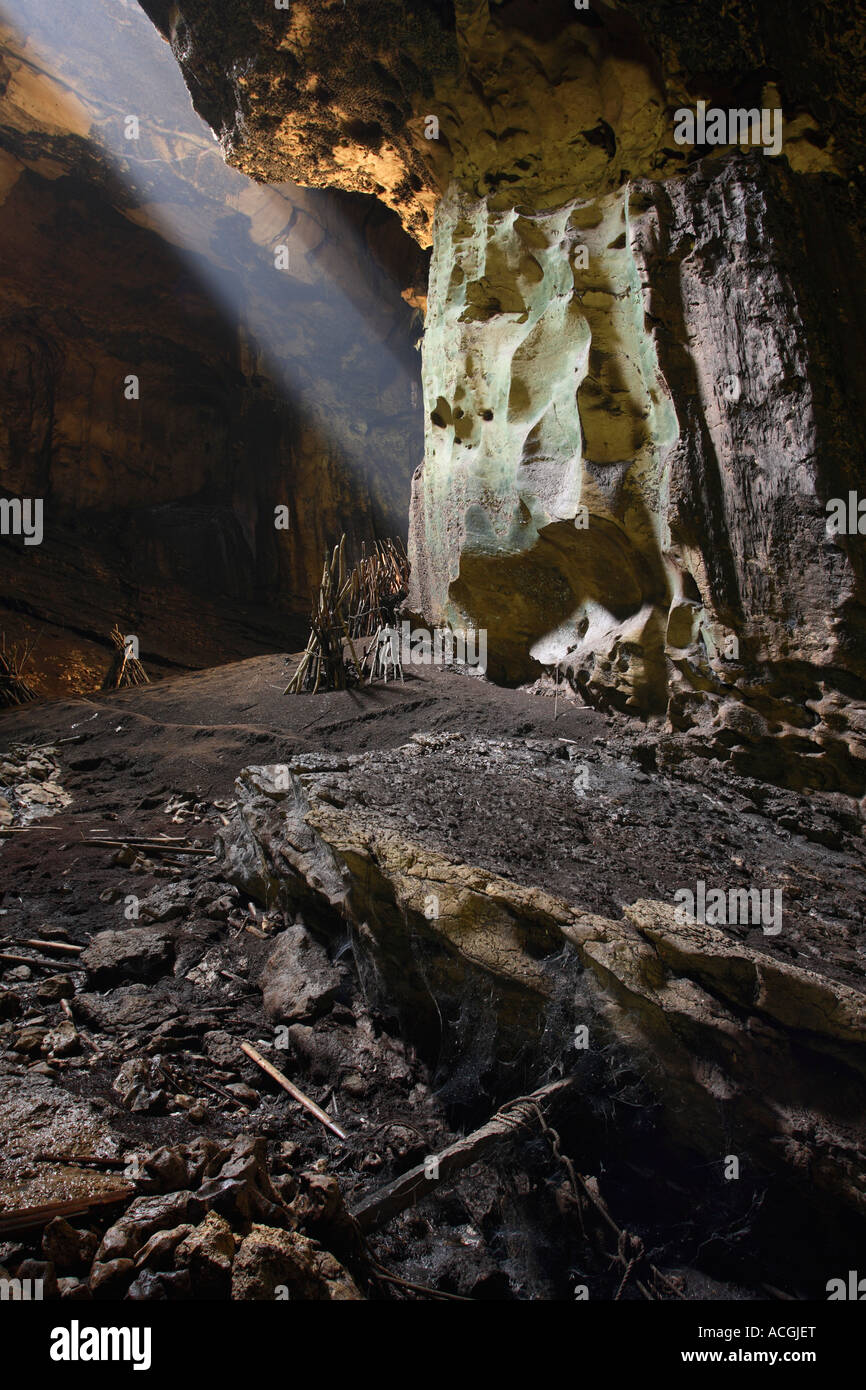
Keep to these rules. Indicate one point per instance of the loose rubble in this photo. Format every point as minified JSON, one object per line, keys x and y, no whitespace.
{"x":30,"y":786}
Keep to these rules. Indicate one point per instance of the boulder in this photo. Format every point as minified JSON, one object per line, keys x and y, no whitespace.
{"x":275,"y":1264}
{"x":207,"y":1252}
{"x":138,"y":1084}
{"x":158,"y":1251}
{"x":298,"y":981}
{"x":67,"y":1247}
{"x":142,"y":1217}
{"x":139,"y":953}
{"x":55,"y":987}
{"x":149,"y":1285}
{"x":111,"y":1279}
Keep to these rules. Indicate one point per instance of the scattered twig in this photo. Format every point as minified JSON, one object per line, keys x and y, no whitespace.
{"x":40,"y":960}
{"x":82,"y":1160}
{"x":382,"y":1274}
{"x":46,"y":945}
{"x":287,"y":1085}
{"x":167,"y":840}
{"x":175,"y":1077}
{"x":150,"y":846}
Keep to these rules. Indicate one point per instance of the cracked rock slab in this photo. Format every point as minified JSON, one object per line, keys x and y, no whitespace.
{"x":740,"y":1047}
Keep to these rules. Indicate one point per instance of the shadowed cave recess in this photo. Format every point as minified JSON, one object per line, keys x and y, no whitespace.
{"x":569,"y":299}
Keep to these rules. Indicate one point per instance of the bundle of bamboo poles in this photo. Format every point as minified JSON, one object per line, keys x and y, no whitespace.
{"x":347,"y":606}
{"x":14,"y":689}
{"x":323,"y":664}
{"x":380,"y":582}
{"x":125,"y":669}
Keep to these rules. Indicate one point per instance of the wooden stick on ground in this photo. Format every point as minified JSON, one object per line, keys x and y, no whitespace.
{"x":287,"y":1085}
{"x":160,"y":839}
{"x":48,"y":945}
{"x":26,"y":829}
{"x":21,"y":1218}
{"x":13,"y":959}
{"x":82,"y":1160}
{"x":379,"y":1206}
{"x":148,"y":846}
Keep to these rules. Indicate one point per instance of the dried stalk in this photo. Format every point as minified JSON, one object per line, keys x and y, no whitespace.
{"x":14,"y":689}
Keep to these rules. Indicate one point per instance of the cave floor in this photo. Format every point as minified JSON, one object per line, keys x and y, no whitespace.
{"x":570,"y":804}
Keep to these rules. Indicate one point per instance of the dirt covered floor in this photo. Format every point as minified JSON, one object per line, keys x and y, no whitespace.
{"x":131,"y":975}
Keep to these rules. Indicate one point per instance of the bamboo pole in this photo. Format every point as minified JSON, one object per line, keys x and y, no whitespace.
{"x":411,"y":1187}
{"x":276,"y":1075}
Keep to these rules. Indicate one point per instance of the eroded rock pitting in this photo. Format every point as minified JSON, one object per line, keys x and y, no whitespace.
{"x":537,"y":513}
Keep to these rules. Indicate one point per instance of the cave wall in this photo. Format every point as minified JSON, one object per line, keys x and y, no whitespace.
{"x":755,"y":305}
{"x":536,"y":512}
{"x":330,"y":95}
{"x":259,"y":386}
{"x":629,"y":456}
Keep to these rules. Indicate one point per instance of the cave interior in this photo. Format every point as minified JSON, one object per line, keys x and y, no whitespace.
{"x":433,"y":651}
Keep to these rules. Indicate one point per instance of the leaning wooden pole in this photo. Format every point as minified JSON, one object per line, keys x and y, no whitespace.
{"x":419,"y":1182}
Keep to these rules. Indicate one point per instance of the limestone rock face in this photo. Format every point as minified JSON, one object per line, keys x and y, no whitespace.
{"x":536,"y":514}
{"x":798,"y":1054}
{"x":533,"y":103}
{"x":754,"y":321}
{"x":627,"y":464}
{"x":317,"y":92}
